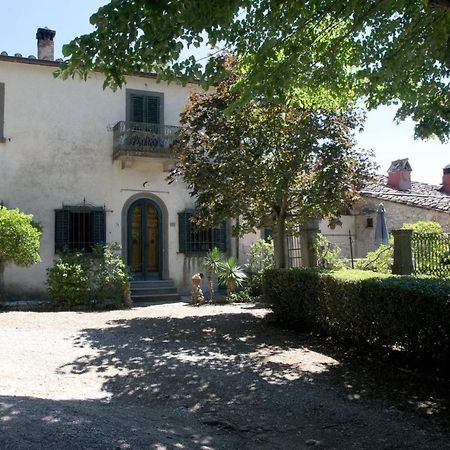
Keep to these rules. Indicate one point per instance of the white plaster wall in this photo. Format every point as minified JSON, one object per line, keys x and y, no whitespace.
{"x":59,"y":150}
{"x":339,"y":235}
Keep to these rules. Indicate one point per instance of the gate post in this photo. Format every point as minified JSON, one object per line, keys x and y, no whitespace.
{"x":308,"y":233}
{"x":403,"y":264}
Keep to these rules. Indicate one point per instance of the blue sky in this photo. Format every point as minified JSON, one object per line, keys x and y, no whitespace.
{"x":70,"y":18}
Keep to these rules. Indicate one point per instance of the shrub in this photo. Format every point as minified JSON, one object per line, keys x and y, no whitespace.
{"x":68,"y":281}
{"x":328,"y":254}
{"x":19,"y":240}
{"x":260,"y":259}
{"x":96,"y":280}
{"x":410,"y":314}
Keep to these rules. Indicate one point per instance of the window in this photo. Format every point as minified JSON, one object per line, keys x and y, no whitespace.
{"x":79,"y":228}
{"x":145,"y":107}
{"x":267,"y":234}
{"x":2,"y":112}
{"x":369,"y":222}
{"x":200,"y":240}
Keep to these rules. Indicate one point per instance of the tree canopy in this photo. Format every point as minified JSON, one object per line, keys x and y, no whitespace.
{"x":269,"y":165}
{"x":19,"y":240}
{"x":317,"y":53}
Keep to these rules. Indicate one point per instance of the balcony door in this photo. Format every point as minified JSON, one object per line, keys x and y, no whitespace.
{"x":144,"y":240}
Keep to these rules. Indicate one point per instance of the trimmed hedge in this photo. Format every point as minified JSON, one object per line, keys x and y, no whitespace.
{"x":410,"y":314}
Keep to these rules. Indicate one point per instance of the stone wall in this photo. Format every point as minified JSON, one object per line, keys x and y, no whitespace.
{"x":396,"y":215}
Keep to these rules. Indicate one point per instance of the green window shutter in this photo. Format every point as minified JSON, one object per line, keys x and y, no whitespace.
{"x":184,"y":231}
{"x":62,"y":219}
{"x":152,"y":108}
{"x":145,"y":108}
{"x":98,"y":219}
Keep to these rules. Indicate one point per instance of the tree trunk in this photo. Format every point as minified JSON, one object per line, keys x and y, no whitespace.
{"x":279,"y":243}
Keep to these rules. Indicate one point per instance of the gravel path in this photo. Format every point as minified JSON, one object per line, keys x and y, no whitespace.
{"x":180,"y":377}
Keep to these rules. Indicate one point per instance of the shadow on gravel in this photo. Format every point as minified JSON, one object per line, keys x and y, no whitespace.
{"x":224,"y":380}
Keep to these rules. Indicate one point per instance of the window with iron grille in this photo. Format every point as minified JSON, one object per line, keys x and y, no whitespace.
{"x":193,"y":239}
{"x":79,"y":228}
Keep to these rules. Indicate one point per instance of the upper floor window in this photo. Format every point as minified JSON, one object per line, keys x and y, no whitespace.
{"x":79,"y":228}
{"x":193,"y":239}
{"x":145,"y":107}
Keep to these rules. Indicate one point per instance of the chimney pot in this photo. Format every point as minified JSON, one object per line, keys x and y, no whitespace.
{"x":399,"y":175}
{"x":446,"y":179}
{"x":46,"y":46}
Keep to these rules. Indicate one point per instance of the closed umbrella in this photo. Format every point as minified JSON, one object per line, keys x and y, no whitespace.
{"x":381,"y":231}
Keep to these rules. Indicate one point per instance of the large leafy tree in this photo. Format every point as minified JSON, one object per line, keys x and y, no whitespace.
{"x":19,"y":240}
{"x":318,"y":53}
{"x":270,"y":165}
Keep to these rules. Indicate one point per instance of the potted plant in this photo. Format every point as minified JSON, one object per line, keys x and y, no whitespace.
{"x":197,"y":279}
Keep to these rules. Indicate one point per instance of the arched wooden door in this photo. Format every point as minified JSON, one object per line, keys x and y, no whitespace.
{"x":144,"y":240}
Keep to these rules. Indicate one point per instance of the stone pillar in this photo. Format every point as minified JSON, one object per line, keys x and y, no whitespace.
{"x":403,"y":264}
{"x":308,"y":233}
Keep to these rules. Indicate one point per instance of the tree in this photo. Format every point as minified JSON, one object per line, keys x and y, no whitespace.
{"x":270,"y":165}
{"x":317,"y":53}
{"x":19,"y":240}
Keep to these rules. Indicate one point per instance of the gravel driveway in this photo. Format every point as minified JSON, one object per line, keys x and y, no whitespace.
{"x":181,"y":377}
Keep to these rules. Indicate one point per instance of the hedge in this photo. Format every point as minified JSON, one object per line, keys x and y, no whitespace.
{"x":410,"y":314}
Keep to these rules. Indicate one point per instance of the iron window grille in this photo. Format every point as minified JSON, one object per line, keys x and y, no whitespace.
{"x":193,"y":239}
{"x":79,"y":228}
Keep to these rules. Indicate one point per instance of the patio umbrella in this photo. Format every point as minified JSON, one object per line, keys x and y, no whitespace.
{"x":381,"y":231}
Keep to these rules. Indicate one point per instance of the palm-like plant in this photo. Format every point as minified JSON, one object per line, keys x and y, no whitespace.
{"x":211,"y":263}
{"x":231,"y":274}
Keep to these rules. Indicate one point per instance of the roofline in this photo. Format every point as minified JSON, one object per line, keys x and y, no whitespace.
{"x":373,"y":195}
{"x":56,"y":64}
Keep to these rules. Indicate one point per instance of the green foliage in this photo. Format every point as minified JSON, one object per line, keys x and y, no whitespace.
{"x":242,"y":296}
{"x":328,"y":254}
{"x":380,"y":260}
{"x":423,"y":226}
{"x":88,"y":281}
{"x":19,"y":238}
{"x":316,"y":53}
{"x":409,"y":314}
{"x":211,"y":263}
{"x":231,"y":274}
{"x":271,"y":166}
{"x":68,"y":281}
{"x":260,"y":259}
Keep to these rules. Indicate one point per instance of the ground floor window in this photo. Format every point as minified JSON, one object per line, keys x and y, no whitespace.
{"x":193,"y":239}
{"x":79,"y":228}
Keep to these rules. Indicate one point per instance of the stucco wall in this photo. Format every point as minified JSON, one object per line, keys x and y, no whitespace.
{"x":59,"y":150}
{"x":396,"y":215}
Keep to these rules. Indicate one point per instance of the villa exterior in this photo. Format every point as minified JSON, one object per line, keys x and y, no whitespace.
{"x":90,"y":165}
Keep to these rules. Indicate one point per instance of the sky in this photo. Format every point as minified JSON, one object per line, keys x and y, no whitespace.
{"x":70,"y":18}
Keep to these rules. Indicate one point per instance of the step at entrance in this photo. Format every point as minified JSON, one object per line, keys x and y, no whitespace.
{"x":153,"y":291}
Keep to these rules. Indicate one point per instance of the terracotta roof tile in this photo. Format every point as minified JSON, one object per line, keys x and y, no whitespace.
{"x":421,"y":195}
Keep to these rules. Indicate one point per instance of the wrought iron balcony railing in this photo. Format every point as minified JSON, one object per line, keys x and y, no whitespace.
{"x":143,"y":139}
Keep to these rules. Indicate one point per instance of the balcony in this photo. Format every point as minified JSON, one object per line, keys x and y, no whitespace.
{"x":136,"y":139}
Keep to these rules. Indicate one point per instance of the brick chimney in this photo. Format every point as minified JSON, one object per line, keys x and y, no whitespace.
{"x":45,"y":44}
{"x":446,"y":180}
{"x":399,"y":175}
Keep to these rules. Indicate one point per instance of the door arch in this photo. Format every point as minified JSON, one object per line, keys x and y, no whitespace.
{"x":145,"y":240}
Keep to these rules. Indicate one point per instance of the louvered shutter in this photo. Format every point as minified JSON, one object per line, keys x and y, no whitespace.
{"x":137,"y":108}
{"x":62,"y":218}
{"x":145,"y":108}
{"x":184,"y":231}
{"x":152,"y":109}
{"x":98,"y":220}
